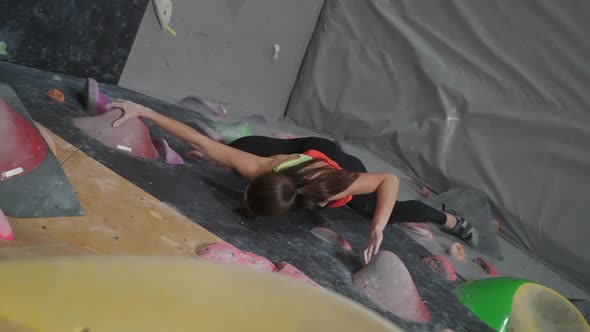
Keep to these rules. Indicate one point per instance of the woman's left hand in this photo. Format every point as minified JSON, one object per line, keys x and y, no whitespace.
{"x":374,"y":244}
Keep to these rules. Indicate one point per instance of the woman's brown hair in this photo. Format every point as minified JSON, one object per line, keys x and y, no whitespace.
{"x":295,"y":188}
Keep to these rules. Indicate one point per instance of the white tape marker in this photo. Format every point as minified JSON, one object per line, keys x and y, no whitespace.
{"x":124,"y":148}
{"x":12,"y":172}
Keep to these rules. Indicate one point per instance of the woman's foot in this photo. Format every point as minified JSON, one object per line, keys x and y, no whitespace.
{"x":461,"y":228}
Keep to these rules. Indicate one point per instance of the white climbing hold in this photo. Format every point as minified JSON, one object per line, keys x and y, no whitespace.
{"x":163,"y":9}
{"x":276,"y":50}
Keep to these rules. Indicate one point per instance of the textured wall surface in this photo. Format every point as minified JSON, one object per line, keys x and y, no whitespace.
{"x":76,"y":37}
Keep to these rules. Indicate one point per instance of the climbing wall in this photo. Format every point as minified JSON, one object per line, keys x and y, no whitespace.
{"x":76,"y":37}
{"x":212,"y":197}
{"x":223,"y":51}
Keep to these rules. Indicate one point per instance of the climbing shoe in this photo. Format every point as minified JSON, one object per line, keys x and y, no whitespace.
{"x":463,"y":229}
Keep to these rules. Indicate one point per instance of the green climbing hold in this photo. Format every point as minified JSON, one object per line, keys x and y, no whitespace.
{"x":230,"y":132}
{"x":491,"y":299}
{"x":57,"y":78}
{"x":3,"y":48}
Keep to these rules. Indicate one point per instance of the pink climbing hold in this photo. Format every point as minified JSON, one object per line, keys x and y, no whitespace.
{"x":197,"y":155}
{"x":226,"y":253}
{"x":497,"y":225}
{"x":331,"y":237}
{"x":420,"y":189}
{"x":5,"y":229}
{"x":171,"y":157}
{"x":293,"y":272}
{"x":418,"y":229}
{"x":488,"y":267}
{"x":132,"y":136}
{"x":281,"y":135}
{"x":386,"y":281}
{"x":96,"y":102}
{"x":23,"y":148}
{"x":440,"y":266}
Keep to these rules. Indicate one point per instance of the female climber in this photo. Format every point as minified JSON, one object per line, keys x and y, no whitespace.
{"x":290,"y":174}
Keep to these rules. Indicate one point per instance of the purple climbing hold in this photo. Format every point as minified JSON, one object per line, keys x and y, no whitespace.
{"x":170,"y":156}
{"x":196,"y":103}
{"x":96,"y":102}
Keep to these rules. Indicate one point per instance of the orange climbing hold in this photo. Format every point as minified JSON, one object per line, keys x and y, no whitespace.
{"x":56,"y":95}
{"x":456,"y":251}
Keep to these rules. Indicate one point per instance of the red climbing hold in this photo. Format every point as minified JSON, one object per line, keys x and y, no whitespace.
{"x":440,"y":266}
{"x":331,"y":237}
{"x":22,"y":148}
{"x":5,"y":229}
{"x":293,"y":272}
{"x":226,"y":253}
{"x":488,"y":267}
{"x":418,"y":229}
{"x":171,"y":157}
{"x":132,"y":136}
{"x":386,"y":281}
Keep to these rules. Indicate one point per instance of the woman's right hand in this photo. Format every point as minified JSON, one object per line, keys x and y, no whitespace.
{"x":375,"y":239}
{"x":130,"y":110}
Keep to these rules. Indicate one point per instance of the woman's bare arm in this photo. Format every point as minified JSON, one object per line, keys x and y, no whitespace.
{"x":386,"y":185}
{"x":247,"y":164}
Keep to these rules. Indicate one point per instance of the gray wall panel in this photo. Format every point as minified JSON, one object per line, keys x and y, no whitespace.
{"x":223,"y":51}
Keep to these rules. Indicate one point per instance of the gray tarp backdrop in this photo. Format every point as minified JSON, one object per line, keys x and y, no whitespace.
{"x":484,"y":94}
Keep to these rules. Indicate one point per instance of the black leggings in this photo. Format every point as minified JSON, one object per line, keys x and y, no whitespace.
{"x":404,"y":211}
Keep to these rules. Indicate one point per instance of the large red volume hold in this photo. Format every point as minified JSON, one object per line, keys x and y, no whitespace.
{"x":22,"y":148}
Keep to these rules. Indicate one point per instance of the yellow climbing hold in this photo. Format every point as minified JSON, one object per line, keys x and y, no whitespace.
{"x":172,"y":32}
{"x":153,"y":294}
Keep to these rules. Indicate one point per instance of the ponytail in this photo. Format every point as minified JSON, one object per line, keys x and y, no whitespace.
{"x":295,"y":188}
